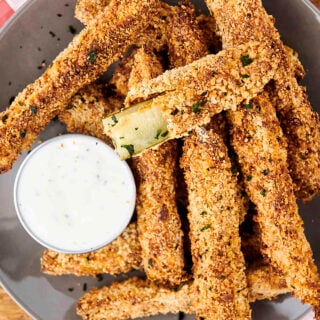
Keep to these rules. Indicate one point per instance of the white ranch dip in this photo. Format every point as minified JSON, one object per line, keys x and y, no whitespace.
{"x":73,"y":194}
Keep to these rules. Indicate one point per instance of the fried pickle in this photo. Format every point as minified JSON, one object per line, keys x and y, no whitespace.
{"x":189,"y":96}
{"x":102,"y":42}
{"x":241,"y":21}
{"x":159,"y":224}
{"x":214,"y":216}
{"x":258,"y":140}
{"x":135,"y":298}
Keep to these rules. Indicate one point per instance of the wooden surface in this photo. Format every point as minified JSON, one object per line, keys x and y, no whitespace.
{"x":9,"y":310}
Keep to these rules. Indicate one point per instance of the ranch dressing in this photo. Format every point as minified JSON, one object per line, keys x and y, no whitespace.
{"x":74,"y":194}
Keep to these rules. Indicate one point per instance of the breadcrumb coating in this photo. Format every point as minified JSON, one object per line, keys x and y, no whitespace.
{"x":214,"y":216}
{"x":258,"y":140}
{"x":186,"y":41}
{"x":189,"y":96}
{"x":87,"y":108}
{"x":135,"y":298}
{"x":154,"y":35}
{"x":120,"y":256}
{"x":159,"y":224}
{"x":241,"y":21}
{"x":101,"y":43}
{"x":87,"y":10}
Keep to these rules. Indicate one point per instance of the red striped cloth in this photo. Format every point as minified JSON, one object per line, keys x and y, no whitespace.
{"x":8,"y":8}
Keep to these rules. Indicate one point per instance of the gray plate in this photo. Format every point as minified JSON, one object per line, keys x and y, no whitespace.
{"x":36,"y":34}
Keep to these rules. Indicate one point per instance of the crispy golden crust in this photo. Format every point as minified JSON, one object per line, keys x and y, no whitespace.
{"x":87,"y":10}
{"x":159,"y":223}
{"x":241,"y":21}
{"x":86,"y":109}
{"x":160,"y":233}
{"x":300,"y":125}
{"x":296,"y":67}
{"x":136,"y":297}
{"x":186,"y":41}
{"x":102,"y":42}
{"x":261,"y":147}
{"x":121,"y":255}
{"x":265,"y":282}
{"x":188,"y":96}
{"x":145,"y":67}
{"x":214,"y":215}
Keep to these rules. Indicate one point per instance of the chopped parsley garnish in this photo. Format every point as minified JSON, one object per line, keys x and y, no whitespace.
{"x":205,"y":227}
{"x":129,"y":147}
{"x":204,"y":93}
{"x":150,"y":262}
{"x":33,"y":109}
{"x":197,"y":105}
{"x":164,"y":134}
{"x":245,"y":76}
{"x":23,"y":133}
{"x":88,"y":258}
{"x":265,"y":172}
{"x":248,"y":106}
{"x":203,"y":213}
{"x":249,"y":178}
{"x":158,"y":134}
{"x":115,"y":120}
{"x":263,"y":192}
{"x":91,"y":56}
{"x":246,"y":60}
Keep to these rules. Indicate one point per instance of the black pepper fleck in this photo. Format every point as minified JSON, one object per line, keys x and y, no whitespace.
{"x":72,"y":29}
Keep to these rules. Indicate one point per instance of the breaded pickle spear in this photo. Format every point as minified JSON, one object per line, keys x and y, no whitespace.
{"x":159,"y":224}
{"x":102,"y":42}
{"x":186,"y":97}
{"x":257,"y":138}
{"x":120,"y":256}
{"x":136,"y":297}
{"x":214,"y":216}
{"x":241,"y":21}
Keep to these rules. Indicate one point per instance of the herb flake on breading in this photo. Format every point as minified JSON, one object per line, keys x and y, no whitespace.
{"x":246,"y":60}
